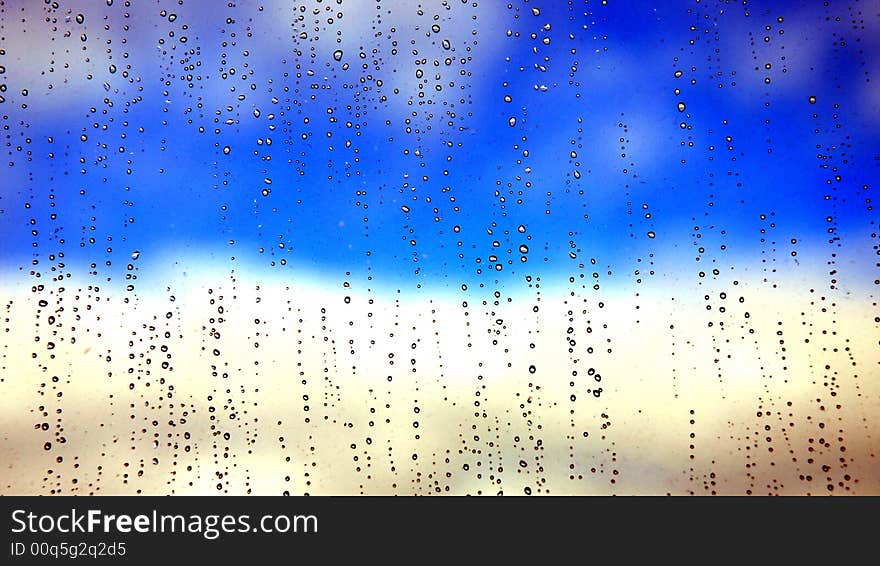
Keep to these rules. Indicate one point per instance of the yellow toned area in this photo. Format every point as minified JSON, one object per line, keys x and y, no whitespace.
{"x":225,"y":385}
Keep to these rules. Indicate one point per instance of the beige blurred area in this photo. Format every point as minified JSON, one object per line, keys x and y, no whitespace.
{"x":326,"y":390}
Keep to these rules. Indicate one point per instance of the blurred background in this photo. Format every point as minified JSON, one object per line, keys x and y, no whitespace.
{"x":455,"y":247}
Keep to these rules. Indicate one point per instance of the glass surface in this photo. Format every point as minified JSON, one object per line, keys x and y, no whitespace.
{"x":460,"y":247}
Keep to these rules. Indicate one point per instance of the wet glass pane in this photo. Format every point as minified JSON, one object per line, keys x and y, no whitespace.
{"x":460,"y":247}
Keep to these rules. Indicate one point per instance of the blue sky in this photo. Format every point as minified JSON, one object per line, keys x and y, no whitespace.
{"x":341,"y":167}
